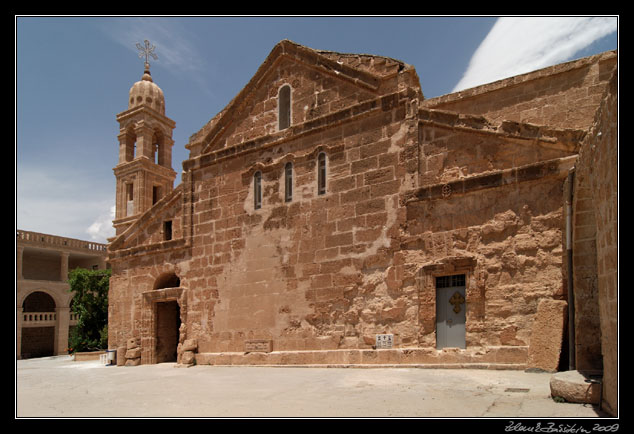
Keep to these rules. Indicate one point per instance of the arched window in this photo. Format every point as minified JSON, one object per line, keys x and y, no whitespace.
{"x":129,"y":146}
{"x":288,"y":182}
{"x":321,"y":173}
{"x":156,"y":150}
{"x":38,"y":301}
{"x":284,"y":107}
{"x":257,"y":190}
{"x":129,"y":195}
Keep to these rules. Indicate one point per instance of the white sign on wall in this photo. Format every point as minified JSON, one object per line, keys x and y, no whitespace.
{"x":384,"y":341}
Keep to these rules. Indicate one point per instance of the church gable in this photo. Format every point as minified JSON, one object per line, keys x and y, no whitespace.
{"x":293,"y":86}
{"x":292,"y":94}
{"x":161,"y":227}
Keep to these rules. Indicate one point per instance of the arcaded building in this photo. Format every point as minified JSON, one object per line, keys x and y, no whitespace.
{"x":330,"y":214}
{"x":44,"y":318}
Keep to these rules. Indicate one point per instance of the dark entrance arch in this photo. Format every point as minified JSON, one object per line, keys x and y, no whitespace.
{"x":167,"y":318}
{"x":168,"y":321}
{"x":167,"y":280}
{"x":38,"y":341}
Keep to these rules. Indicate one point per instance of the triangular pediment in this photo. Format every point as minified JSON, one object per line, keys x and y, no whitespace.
{"x":317,"y":78}
{"x":147,"y":232}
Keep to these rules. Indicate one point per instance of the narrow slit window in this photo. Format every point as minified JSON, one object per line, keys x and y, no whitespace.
{"x":156,"y":194}
{"x":321,"y":173}
{"x":129,"y":191}
{"x":129,"y":205}
{"x":155,"y":152}
{"x":288,"y":182}
{"x":167,"y":230}
{"x":257,"y":190}
{"x":130,"y":146}
{"x":284,"y":107}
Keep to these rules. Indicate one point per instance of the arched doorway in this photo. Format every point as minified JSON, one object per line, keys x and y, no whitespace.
{"x":38,"y":326}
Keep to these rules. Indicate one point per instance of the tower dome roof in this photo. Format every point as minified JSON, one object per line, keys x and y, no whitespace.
{"x":145,"y":91}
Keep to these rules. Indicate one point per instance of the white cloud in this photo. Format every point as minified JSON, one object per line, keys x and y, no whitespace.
{"x":58,"y":201}
{"x":175,"y":44}
{"x":63,"y":216}
{"x":517,"y":45}
{"x":102,"y":228}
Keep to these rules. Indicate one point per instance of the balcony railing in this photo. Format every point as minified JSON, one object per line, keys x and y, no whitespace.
{"x":39,"y":319}
{"x":44,"y":319}
{"x":54,"y":240}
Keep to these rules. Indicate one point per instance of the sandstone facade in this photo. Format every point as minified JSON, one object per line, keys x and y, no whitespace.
{"x":301,"y":243}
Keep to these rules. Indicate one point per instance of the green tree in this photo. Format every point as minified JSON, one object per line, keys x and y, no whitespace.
{"x":90,"y":302}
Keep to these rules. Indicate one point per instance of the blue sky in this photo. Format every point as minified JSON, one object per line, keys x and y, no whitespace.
{"x":73,"y":75}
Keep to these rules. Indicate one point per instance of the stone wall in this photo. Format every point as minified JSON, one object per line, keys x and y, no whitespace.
{"x":561,"y":96}
{"x":330,"y":272}
{"x":132,"y":299}
{"x":489,"y":205}
{"x":411,"y":194}
{"x":306,"y":274}
{"x":595,"y":257}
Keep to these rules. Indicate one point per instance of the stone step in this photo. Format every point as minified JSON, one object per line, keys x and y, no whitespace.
{"x":575,"y":386}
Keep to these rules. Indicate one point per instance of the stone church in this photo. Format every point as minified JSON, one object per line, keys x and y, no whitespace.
{"x":331,"y":215}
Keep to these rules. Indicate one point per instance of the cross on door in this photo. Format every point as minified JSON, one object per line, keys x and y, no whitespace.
{"x":456,"y":300}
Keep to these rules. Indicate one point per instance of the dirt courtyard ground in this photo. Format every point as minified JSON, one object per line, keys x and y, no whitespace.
{"x":58,"y":387}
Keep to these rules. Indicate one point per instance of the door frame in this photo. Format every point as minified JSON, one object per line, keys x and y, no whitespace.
{"x":150,"y":317}
{"x":157,"y":324}
{"x":447,"y":335}
{"x":474,"y":295}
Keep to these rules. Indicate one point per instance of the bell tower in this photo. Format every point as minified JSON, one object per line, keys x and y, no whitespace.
{"x":144,"y":173}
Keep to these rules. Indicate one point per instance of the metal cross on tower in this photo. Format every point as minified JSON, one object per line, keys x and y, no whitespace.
{"x":146,"y":51}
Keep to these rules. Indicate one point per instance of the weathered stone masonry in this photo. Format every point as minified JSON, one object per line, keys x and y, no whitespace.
{"x":413,"y":192}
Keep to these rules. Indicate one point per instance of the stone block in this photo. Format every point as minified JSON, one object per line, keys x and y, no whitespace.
{"x":133,"y":362}
{"x":574,"y":386}
{"x":133,"y":353}
{"x":370,"y":206}
{"x":547,"y":335}
{"x":190,"y":345}
{"x":188,"y":358}
{"x":132,"y":343}
{"x":121,"y":351}
{"x":343,"y":239}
